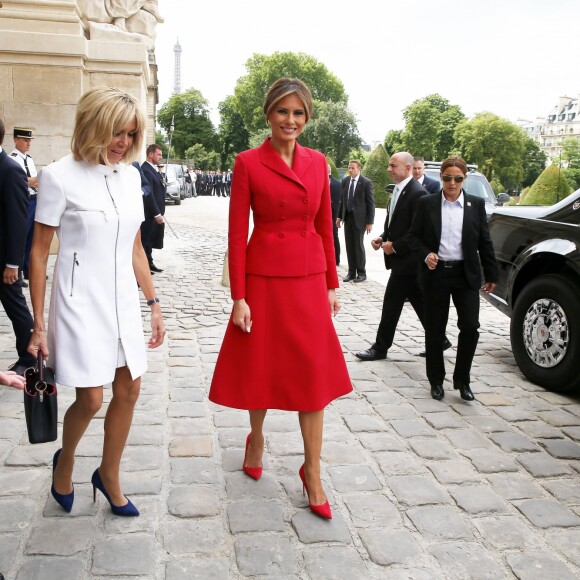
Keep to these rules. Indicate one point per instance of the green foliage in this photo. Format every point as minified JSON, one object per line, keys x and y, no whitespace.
{"x":203,"y":159}
{"x":573,"y":177}
{"x":550,"y":187}
{"x":571,"y":152}
{"x":523,"y":194}
{"x":394,"y":142}
{"x":191,"y":119}
{"x":497,"y":186}
{"x":332,"y":130}
{"x":233,"y":135}
{"x":263,"y":70}
{"x":360,"y":154}
{"x":494,"y":144}
{"x":160,"y":139}
{"x":512,"y":201}
{"x":430,"y":124}
{"x":333,"y":169}
{"x":376,"y":170}
{"x":256,"y":139}
{"x":533,"y":161}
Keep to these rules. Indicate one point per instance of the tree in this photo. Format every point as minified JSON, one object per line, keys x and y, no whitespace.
{"x":533,"y":161}
{"x":332,"y":130}
{"x":376,"y":170}
{"x":494,"y":144}
{"x":571,"y":152}
{"x":394,"y":142}
{"x":161,"y":140}
{"x":263,"y":70}
{"x":429,"y":127}
{"x":233,"y":135}
{"x":573,"y":177}
{"x":333,"y":169}
{"x":189,"y":110}
{"x":203,"y":159}
{"x":550,"y":187}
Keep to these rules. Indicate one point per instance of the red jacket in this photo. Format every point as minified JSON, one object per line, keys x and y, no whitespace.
{"x":292,"y":217}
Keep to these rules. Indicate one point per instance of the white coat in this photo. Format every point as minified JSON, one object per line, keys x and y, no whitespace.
{"x":94,"y":309}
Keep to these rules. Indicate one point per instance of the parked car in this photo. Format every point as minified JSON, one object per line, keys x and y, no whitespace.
{"x":538,"y":251}
{"x":173,"y":185}
{"x":475,"y":184}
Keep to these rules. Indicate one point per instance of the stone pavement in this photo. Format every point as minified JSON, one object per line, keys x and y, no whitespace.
{"x":420,"y":489}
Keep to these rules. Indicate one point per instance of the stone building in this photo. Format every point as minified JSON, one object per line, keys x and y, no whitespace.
{"x":51,"y":52}
{"x":561,"y":122}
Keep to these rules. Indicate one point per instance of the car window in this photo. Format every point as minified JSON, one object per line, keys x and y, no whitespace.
{"x":170,"y":172}
{"x":476,"y":185}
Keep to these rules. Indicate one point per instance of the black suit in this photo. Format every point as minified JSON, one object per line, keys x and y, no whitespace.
{"x":431,"y":185}
{"x":335,"y":189}
{"x":13,"y":226}
{"x":362,"y":213}
{"x":403,"y":264}
{"x":460,"y":282}
{"x":154,"y":204}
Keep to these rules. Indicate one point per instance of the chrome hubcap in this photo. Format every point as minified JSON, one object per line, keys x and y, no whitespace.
{"x":546,"y":333}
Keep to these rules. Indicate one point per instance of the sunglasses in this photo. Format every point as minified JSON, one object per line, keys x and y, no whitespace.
{"x":448,"y":178}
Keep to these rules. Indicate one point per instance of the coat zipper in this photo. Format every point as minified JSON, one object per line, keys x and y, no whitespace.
{"x":116,"y":245}
{"x":72,"y":281}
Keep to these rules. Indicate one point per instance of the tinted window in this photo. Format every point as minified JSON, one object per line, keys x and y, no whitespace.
{"x":474,"y":185}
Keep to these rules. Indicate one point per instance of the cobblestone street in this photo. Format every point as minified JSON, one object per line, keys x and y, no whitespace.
{"x":420,"y":489}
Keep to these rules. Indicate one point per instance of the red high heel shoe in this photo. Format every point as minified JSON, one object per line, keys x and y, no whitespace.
{"x":253,"y":472}
{"x":322,"y":510}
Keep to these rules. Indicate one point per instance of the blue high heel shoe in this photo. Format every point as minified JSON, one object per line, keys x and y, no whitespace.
{"x":126,"y":510}
{"x":65,"y":501}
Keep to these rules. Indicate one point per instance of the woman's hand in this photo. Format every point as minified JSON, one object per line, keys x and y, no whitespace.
{"x":333,"y":302}
{"x":157,"y":327}
{"x":241,"y":315}
{"x":37,"y":343}
{"x":11,"y":379}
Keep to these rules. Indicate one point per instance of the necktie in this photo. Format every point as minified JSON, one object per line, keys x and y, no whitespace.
{"x":26,"y":167}
{"x":350,"y":200}
{"x":393,"y":202}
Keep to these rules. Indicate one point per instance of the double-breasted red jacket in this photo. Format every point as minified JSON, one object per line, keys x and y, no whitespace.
{"x":292,"y":216}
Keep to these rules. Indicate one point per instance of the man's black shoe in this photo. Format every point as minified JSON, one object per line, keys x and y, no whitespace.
{"x":446,"y":345}
{"x":464,"y":391}
{"x":154,"y":268}
{"x":360,"y":279}
{"x":437,"y":392}
{"x":371,"y":354}
{"x":349,"y":277}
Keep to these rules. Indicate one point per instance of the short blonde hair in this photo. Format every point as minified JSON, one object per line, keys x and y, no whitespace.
{"x":101,"y":112}
{"x":284,"y":87}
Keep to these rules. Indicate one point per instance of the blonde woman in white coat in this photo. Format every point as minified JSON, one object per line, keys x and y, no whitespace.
{"x":93,"y":200}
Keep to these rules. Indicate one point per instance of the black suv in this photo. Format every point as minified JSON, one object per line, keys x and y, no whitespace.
{"x":538,"y":252}
{"x":475,"y":184}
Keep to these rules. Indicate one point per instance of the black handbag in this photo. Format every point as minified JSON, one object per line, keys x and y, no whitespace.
{"x":40,"y":402}
{"x":158,"y":235}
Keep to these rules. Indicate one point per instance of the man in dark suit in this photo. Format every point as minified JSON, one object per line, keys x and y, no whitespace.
{"x":154,"y":207}
{"x":335,"y":190}
{"x":399,"y":256}
{"x":357,"y":211}
{"x":428,"y":183}
{"x":13,"y":227}
{"x":451,"y":235}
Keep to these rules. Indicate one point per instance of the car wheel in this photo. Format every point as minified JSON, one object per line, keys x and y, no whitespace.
{"x":177,"y":201}
{"x":545,"y":333}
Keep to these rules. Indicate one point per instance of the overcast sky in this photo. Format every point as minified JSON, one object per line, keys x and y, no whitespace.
{"x":511,"y":57}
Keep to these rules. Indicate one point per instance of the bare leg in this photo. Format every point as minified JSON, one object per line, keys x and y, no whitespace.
{"x":117,"y":425}
{"x":76,"y":420}
{"x":256,"y":447}
{"x":311,"y":425}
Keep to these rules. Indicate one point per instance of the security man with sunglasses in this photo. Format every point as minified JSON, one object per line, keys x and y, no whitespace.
{"x":451,"y":235}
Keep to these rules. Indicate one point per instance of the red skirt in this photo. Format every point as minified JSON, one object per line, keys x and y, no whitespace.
{"x":292,"y":359}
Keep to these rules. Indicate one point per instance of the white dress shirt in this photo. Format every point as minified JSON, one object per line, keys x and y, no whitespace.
{"x":450,"y":247}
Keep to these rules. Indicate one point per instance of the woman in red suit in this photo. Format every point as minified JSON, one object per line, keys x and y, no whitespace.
{"x":280,"y":350}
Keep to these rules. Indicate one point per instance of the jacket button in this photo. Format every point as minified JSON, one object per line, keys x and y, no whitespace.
{"x":304,"y":217}
{"x":283,"y":218}
{"x":281,"y":234}
{"x":303,"y":234}
{"x":305,"y":200}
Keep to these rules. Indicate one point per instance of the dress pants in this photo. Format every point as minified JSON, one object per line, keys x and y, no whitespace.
{"x":439,"y":286}
{"x":16,"y":309}
{"x":399,"y":287}
{"x":355,"y":249}
{"x":336,"y":244}
{"x":147,"y":231}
